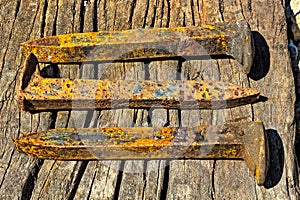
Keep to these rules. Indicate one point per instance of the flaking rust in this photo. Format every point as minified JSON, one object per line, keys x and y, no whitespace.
{"x":229,"y":141}
{"x":232,"y":39}
{"x":42,"y":94}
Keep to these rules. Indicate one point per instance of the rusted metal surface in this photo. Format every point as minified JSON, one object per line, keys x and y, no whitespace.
{"x":40,"y":94}
{"x":235,"y":141}
{"x":224,"y":39}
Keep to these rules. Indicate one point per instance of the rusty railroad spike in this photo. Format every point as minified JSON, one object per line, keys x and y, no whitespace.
{"x":243,"y":140}
{"x":38,"y":93}
{"x":231,"y":39}
{"x":42,"y":94}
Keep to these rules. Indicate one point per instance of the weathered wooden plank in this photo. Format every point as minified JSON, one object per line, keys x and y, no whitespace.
{"x":99,"y":180}
{"x":154,"y":179}
{"x":133,"y":181}
{"x":229,"y":71}
{"x":182,"y":177}
{"x":143,"y":181}
{"x":217,"y":116}
{"x":17,"y":25}
{"x":280,"y":93}
{"x":227,"y":187}
{"x":277,"y":112}
{"x":113,"y":169}
{"x":7,"y":18}
{"x":155,"y":171}
{"x":187,"y":175}
{"x":56,"y":180}
{"x":193,"y":180}
{"x":55,"y":177}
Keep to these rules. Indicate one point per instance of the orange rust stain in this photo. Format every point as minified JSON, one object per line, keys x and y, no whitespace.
{"x":161,"y":139}
{"x":222,"y":42}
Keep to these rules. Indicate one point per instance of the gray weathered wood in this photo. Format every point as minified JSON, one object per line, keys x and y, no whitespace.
{"x":22,"y":177}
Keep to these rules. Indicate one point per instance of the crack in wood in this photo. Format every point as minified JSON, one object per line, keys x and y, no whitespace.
{"x":95,"y":16}
{"x":144,"y":178}
{"x":44,"y":184}
{"x":8,"y":166}
{"x":43,"y":22}
{"x":192,"y":13}
{"x":221,"y":9}
{"x":213,"y":190}
{"x":250,"y":5}
{"x":119,"y":181}
{"x":17,"y":8}
{"x":29,"y":185}
{"x":54,"y":32}
{"x":131,"y":13}
{"x":81,"y":17}
{"x":79,"y":175}
{"x":91,"y":185}
{"x":146,"y":14}
{"x":168,"y":13}
{"x":165,"y":185}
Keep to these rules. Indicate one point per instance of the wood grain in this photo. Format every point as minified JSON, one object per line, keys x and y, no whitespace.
{"x":22,"y":177}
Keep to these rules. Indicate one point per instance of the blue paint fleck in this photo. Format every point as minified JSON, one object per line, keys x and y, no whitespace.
{"x":159,"y":92}
{"x":137,"y":89}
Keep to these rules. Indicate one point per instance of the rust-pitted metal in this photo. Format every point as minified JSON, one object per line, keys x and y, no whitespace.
{"x":224,"y":39}
{"x":41,"y":94}
{"x":235,"y":141}
{"x":38,"y":92}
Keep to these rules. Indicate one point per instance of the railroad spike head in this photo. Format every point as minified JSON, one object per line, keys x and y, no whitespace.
{"x":256,"y":151}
